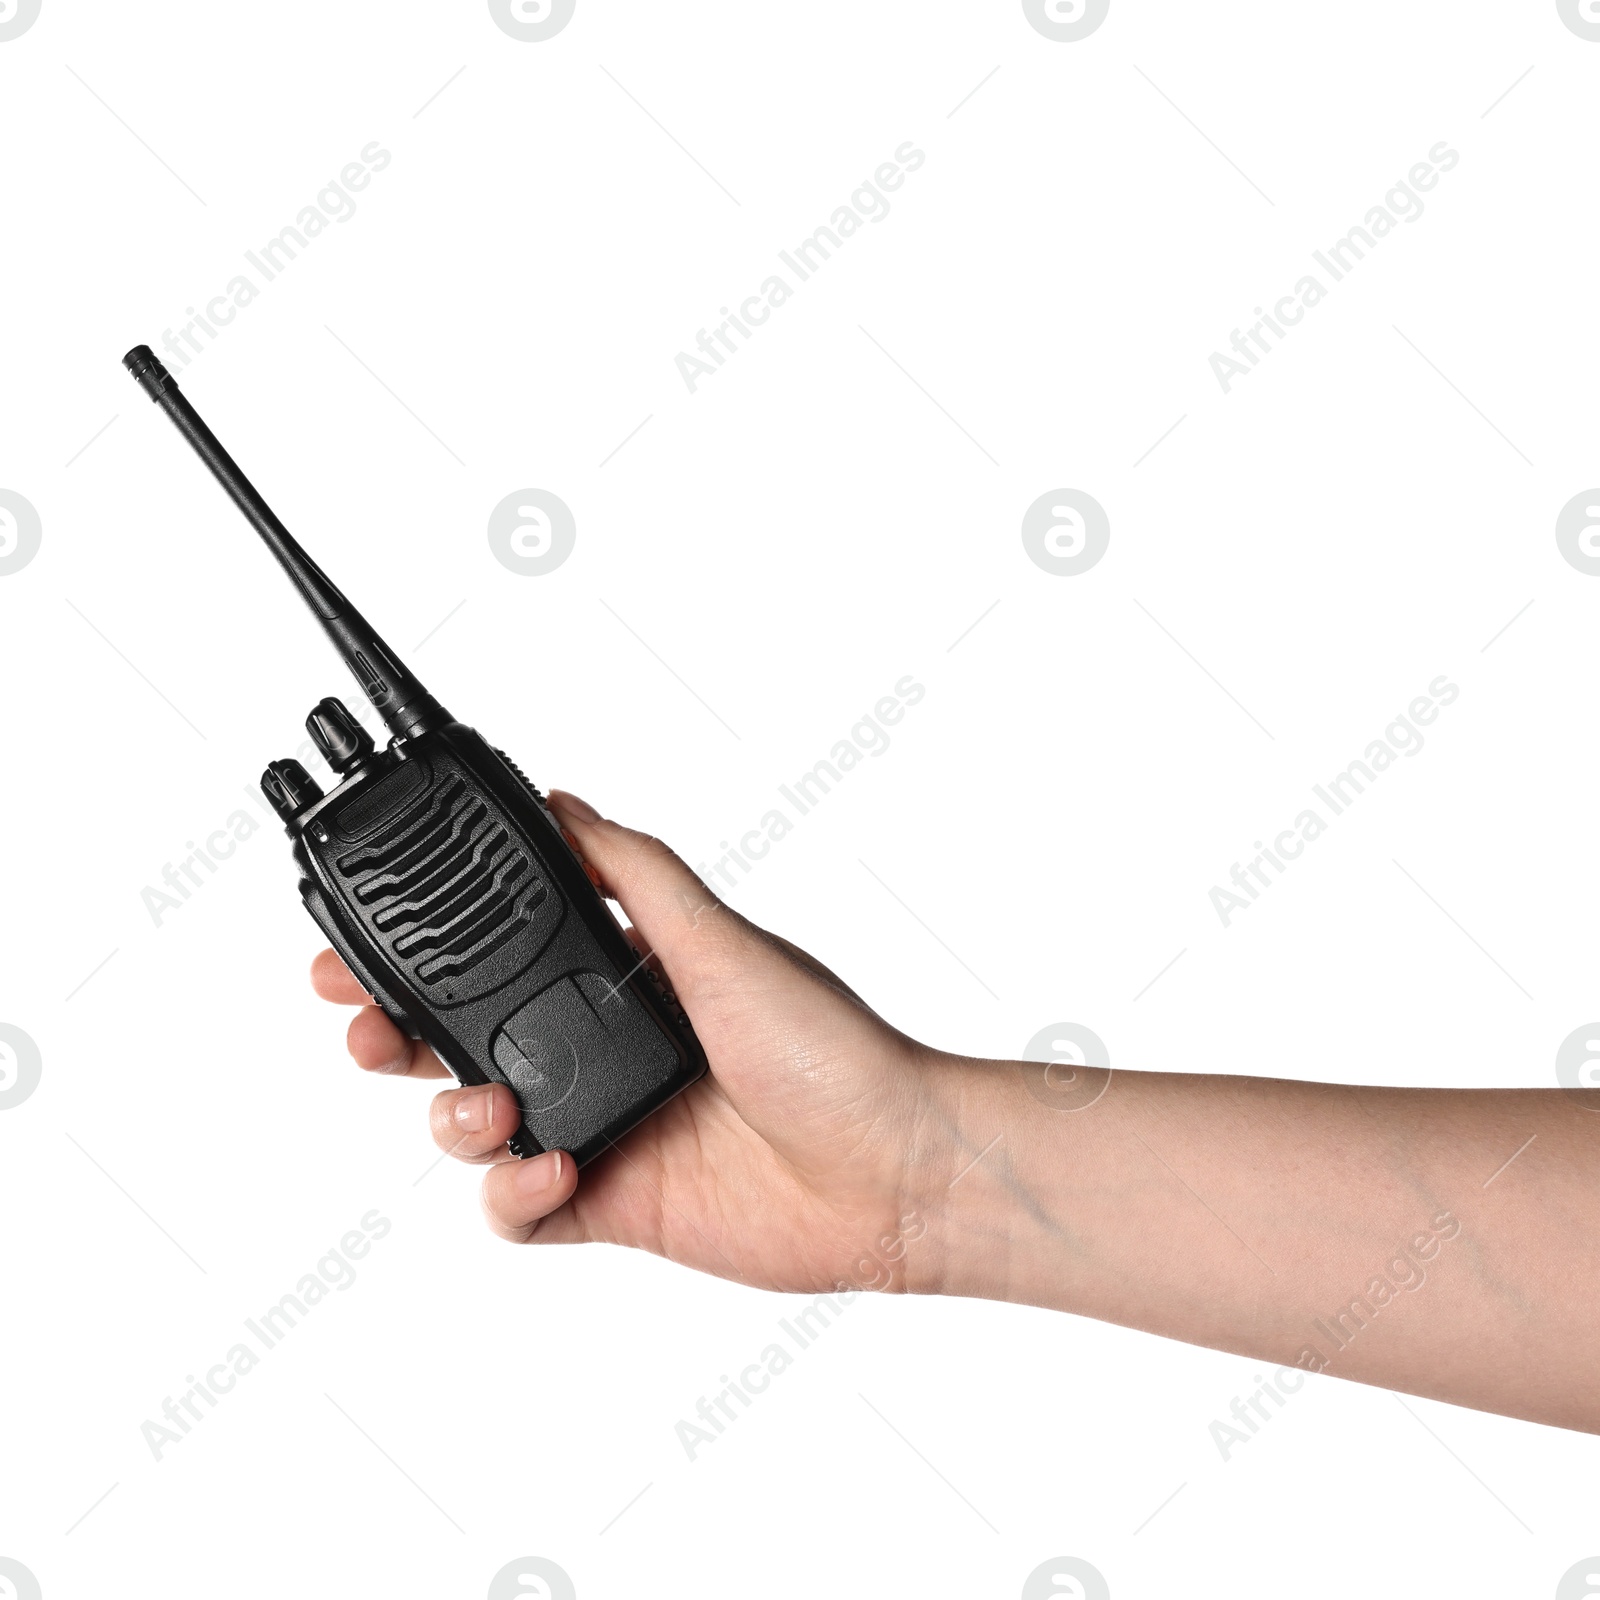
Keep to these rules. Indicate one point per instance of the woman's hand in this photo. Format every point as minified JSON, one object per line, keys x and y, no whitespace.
{"x":785,"y":1167}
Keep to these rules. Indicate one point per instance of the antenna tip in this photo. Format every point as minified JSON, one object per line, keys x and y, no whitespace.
{"x":147,"y":370}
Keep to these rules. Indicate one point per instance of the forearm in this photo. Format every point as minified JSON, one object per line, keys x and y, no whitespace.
{"x":1375,"y":1234}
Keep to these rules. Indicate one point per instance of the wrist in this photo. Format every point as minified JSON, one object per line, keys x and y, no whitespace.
{"x":979,"y":1181}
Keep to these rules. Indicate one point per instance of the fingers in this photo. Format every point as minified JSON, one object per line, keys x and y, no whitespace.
{"x":700,"y":940}
{"x":473,"y":1124}
{"x":373,"y":1040}
{"x":674,"y":914}
{"x":527,"y":1199}
{"x":332,"y":980}
{"x":378,"y":1046}
{"x":519,"y":1197}
{"x":638,"y":871}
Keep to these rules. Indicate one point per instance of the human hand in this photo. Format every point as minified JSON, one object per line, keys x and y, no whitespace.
{"x":788,"y":1166}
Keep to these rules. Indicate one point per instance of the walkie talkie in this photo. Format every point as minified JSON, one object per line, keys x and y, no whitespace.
{"x":436,"y":871}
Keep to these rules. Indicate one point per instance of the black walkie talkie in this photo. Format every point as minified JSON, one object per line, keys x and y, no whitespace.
{"x":438,"y":874}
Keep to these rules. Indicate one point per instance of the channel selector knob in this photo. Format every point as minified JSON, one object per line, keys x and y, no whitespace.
{"x":344,"y":743}
{"x":289,"y":788}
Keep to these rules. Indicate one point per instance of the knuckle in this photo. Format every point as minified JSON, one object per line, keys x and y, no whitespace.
{"x":646,"y":846}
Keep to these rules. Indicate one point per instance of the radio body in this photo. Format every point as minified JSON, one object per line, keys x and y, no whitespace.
{"x":443,"y":881}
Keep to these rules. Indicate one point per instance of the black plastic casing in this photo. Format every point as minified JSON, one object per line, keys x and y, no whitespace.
{"x":450,"y":891}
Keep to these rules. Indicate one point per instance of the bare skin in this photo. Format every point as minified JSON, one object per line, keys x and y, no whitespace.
{"x":1376,"y":1234}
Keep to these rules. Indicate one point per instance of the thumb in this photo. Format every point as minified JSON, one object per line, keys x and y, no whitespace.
{"x":696,"y":936}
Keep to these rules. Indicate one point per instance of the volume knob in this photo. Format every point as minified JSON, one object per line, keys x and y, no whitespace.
{"x":344,"y":743}
{"x":289,"y":788}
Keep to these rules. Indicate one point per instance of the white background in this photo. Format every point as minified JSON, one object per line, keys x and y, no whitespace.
{"x":836,"y":508}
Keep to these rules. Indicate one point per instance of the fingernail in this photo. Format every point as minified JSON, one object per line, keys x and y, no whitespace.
{"x":475,"y":1111}
{"x":581,"y":809}
{"x":534,"y":1177}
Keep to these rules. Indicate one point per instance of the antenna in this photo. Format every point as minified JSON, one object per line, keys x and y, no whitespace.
{"x":405,"y":706}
